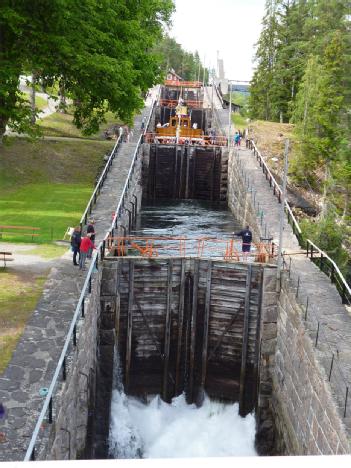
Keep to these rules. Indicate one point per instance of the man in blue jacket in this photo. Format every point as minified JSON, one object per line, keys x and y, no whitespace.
{"x":246,"y":236}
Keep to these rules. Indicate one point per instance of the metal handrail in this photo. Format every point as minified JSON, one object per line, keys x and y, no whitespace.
{"x":98,"y":255}
{"x":100,"y":183}
{"x":277,"y":191}
{"x":219,"y":94}
{"x":345,"y":288}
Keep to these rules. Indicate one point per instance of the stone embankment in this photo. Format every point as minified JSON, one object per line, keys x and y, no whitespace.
{"x":34,"y":360}
{"x":307,"y":402}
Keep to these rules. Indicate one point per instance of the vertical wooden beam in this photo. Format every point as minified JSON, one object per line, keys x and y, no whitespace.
{"x":117,"y":295}
{"x":167,"y":330}
{"x":180,"y":192}
{"x":206,"y":323}
{"x":193,"y":180}
{"x":213,"y":174}
{"x":256,"y":368}
{"x":193,"y":331}
{"x":129,"y":324}
{"x":187,"y":162}
{"x":175,"y":172}
{"x":245,"y":341}
{"x":155,"y":172}
{"x":180,"y":324}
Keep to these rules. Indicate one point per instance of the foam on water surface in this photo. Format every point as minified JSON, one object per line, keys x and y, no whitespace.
{"x":161,"y":430}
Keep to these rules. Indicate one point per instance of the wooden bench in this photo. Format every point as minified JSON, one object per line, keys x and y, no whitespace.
{"x":6,"y":257}
{"x":19,"y":231}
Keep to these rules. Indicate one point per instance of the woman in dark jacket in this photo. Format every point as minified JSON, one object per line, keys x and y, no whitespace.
{"x":75,"y":243}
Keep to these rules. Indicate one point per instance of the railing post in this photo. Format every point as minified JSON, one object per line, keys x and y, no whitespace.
{"x":50,"y":411}
{"x":332,"y":279}
{"x":347,"y":393}
{"x":343,"y":294}
{"x":32,"y":455}
{"x":75,"y":335}
{"x":64,"y":374}
{"x":83,"y":308}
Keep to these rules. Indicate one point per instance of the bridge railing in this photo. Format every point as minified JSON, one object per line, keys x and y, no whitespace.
{"x":71,"y":342}
{"x":323,"y":261}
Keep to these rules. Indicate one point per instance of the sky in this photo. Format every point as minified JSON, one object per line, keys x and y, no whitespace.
{"x":231,"y":27}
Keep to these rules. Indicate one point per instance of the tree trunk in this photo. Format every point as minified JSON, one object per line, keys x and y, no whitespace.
{"x":62,"y":91}
{"x":3,"y":123}
{"x":324,"y":208}
{"x":32,"y":97}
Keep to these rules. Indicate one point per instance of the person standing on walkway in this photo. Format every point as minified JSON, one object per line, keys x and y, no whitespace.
{"x":246,"y":236}
{"x":85,"y":245}
{"x":120,"y":131}
{"x":142,"y":128}
{"x":91,"y":231}
{"x":75,"y":244}
{"x":237,"y":139}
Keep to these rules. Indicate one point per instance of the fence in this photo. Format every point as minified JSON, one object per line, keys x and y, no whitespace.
{"x":71,"y":342}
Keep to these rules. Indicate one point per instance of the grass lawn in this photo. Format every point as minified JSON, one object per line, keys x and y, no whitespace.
{"x":239,"y":121}
{"x":47,"y":184}
{"x":61,"y":125}
{"x":19,"y":295}
{"x":40,"y":102}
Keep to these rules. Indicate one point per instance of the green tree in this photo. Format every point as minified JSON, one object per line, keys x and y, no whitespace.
{"x":186,"y":64}
{"x":99,"y":50}
{"x":260,"y":89}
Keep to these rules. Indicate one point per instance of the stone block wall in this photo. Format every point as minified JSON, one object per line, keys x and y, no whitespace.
{"x":265,"y":432}
{"x":73,"y":403}
{"x":306,"y":418}
{"x":239,"y":198}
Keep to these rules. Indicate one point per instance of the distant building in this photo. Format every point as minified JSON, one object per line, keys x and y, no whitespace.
{"x":236,"y":108}
{"x":173,"y":76}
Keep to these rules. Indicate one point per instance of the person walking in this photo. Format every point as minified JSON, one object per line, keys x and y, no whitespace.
{"x":85,"y":245}
{"x":246,"y":236}
{"x":91,"y":231}
{"x":75,"y":244}
{"x":237,"y":139}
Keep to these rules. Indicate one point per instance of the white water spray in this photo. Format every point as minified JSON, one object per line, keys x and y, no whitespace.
{"x":177,"y":430}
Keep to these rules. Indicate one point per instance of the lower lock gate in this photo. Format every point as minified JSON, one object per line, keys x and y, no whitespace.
{"x":179,"y":325}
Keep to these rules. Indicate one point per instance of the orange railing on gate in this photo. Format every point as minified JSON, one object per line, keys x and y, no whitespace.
{"x":227,"y":249}
{"x":183,"y":84}
{"x":172,"y":103}
{"x":204,"y":140}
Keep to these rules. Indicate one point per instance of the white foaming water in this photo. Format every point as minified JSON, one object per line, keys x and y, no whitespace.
{"x":177,"y":430}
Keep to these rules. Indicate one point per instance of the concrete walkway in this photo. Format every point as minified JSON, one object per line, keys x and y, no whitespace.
{"x":324,"y":302}
{"x":35,"y":358}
